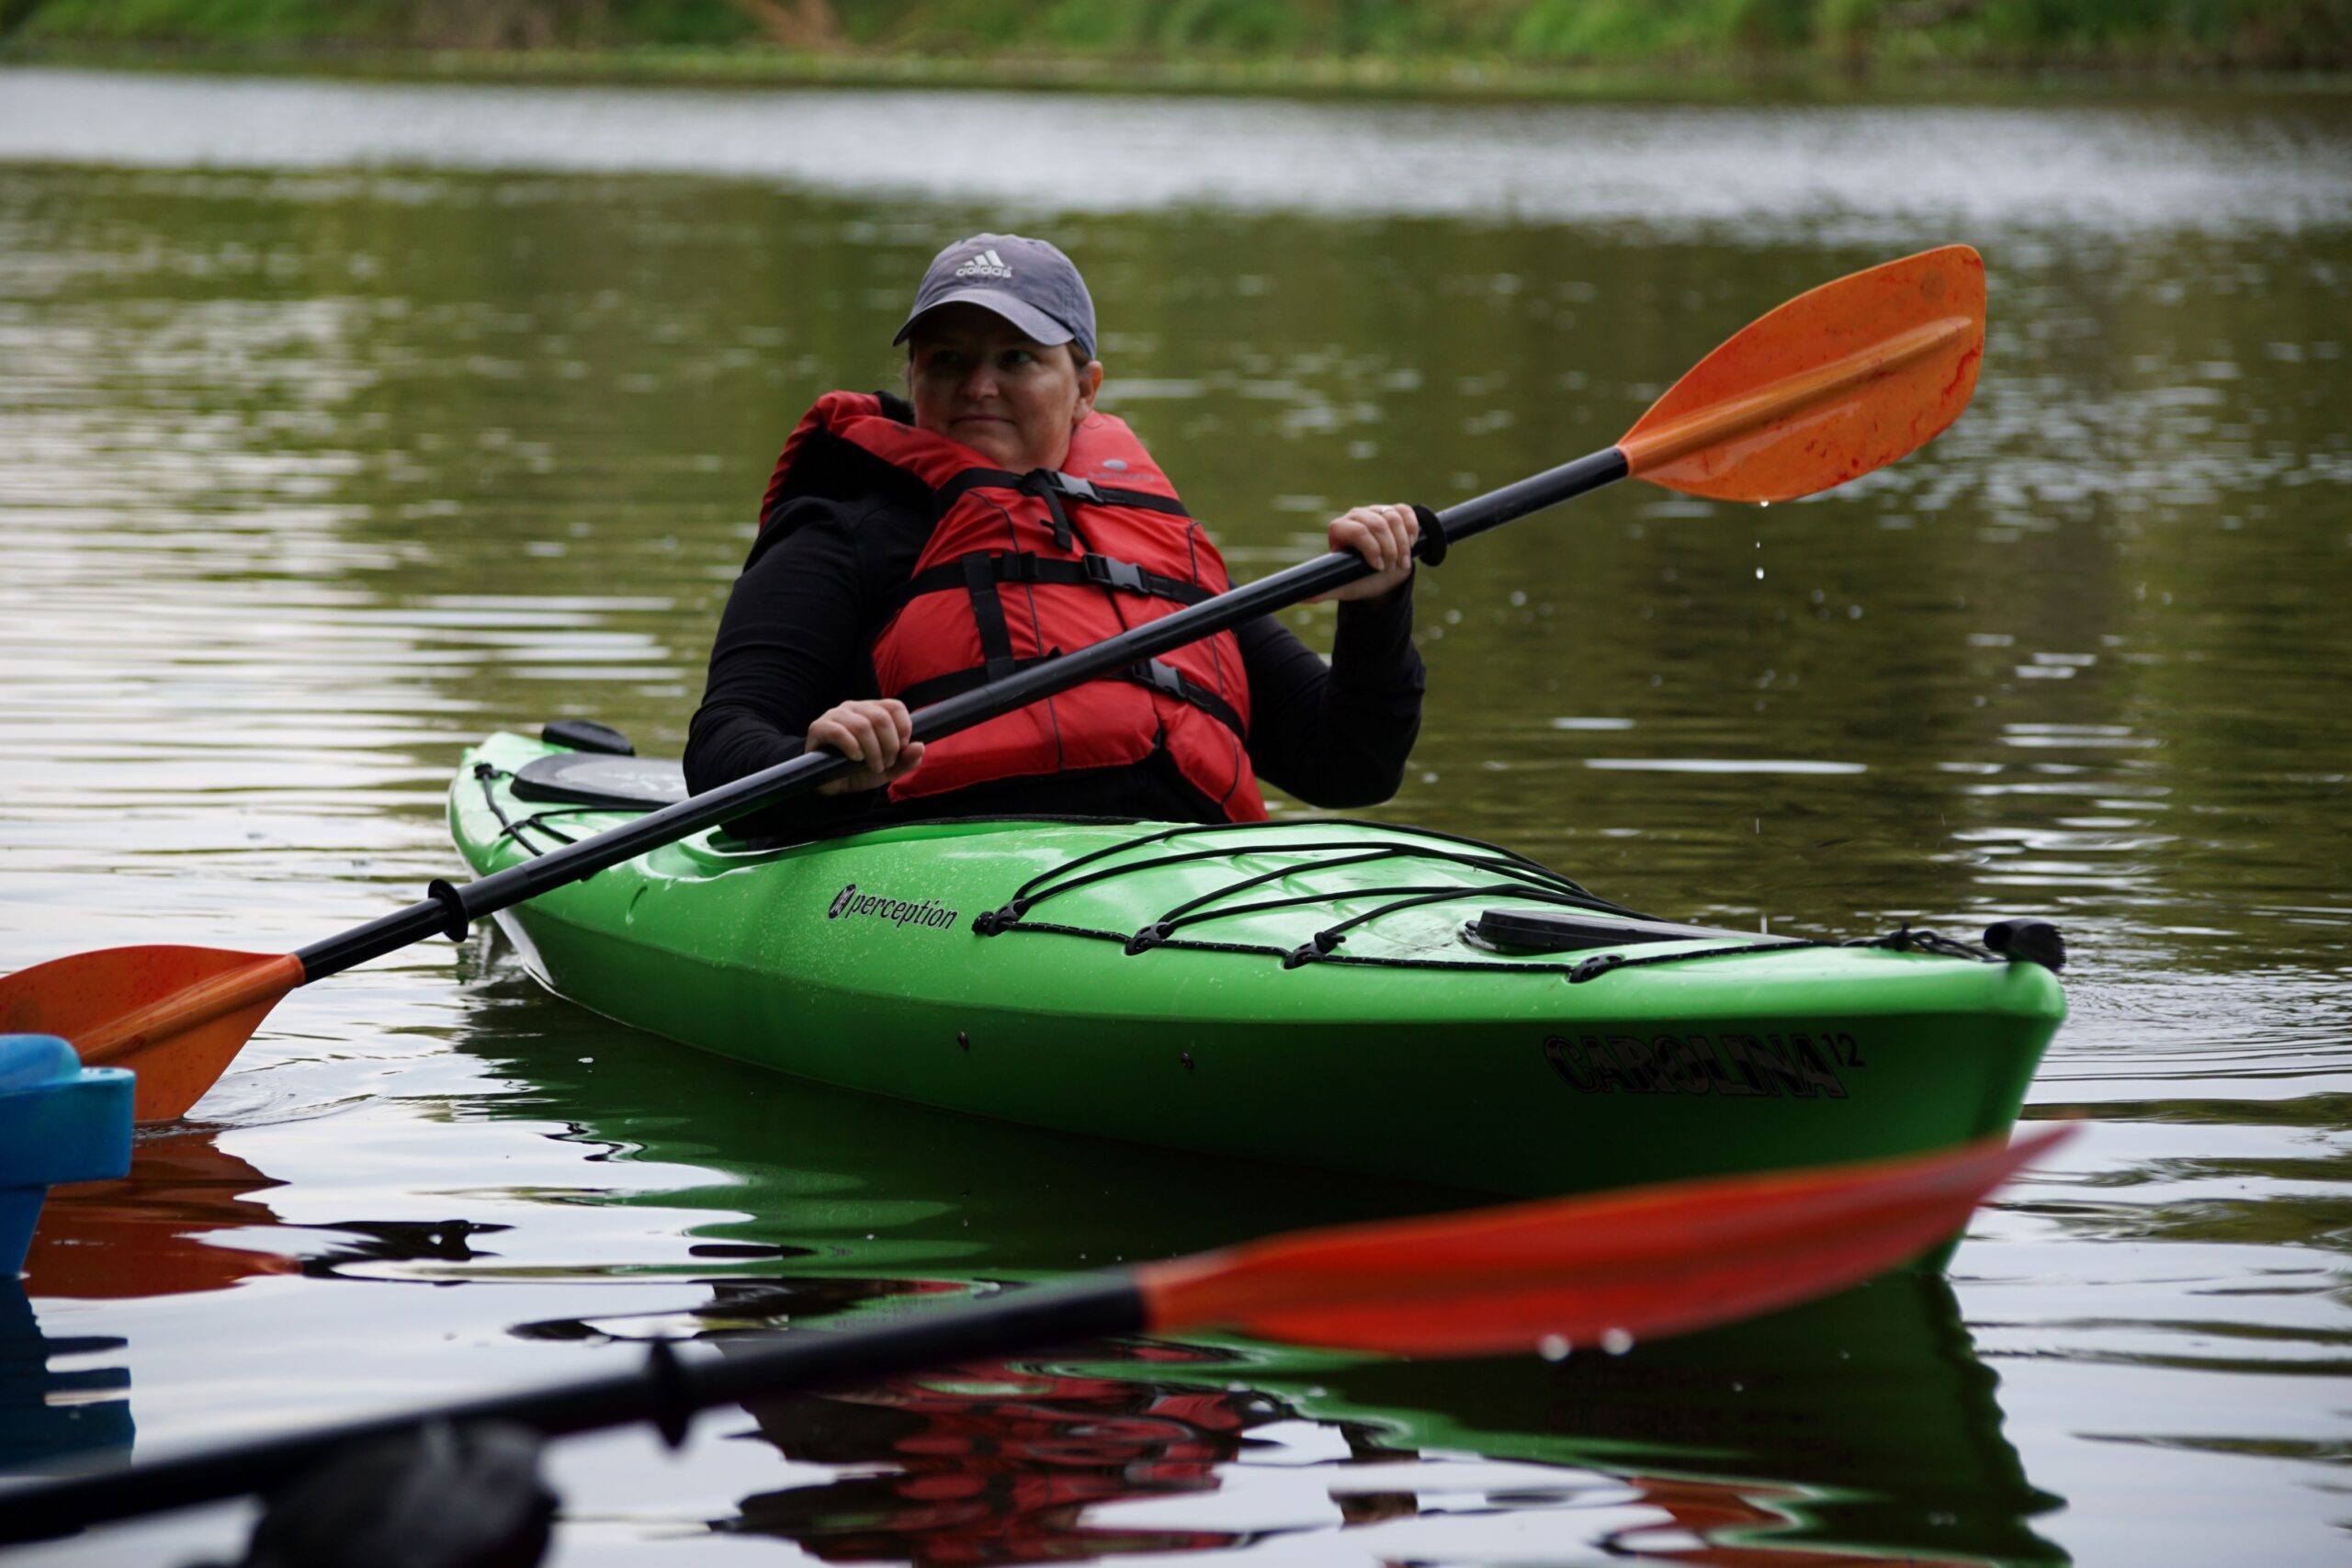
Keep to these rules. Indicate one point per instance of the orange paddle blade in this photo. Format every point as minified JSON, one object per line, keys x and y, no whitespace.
{"x":1837,"y":382}
{"x":175,"y":1015}
{"x":1593,"y":1271}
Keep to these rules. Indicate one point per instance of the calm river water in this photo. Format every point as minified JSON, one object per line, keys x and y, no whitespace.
{"x":341,"y":424}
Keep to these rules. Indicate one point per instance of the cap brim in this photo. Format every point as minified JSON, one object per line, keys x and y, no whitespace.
{"x":1039,"y":326}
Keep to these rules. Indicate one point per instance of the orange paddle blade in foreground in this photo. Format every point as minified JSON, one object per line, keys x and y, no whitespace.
{"x":1841,"y":381}
{"x":174,"y":1015}
{"x":1652,"y":1261}
{"x":1589,"y":1270}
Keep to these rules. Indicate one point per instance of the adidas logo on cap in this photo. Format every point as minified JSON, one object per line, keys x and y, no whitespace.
{"x":988,"y":263}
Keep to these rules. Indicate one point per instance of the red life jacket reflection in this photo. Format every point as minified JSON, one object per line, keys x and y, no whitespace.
{"x":1019,"y":567}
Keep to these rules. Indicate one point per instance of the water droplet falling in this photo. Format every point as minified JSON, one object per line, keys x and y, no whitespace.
{"x":1553,"y":1347}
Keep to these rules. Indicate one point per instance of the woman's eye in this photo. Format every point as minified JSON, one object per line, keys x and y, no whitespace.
{"x":1014,"y":358}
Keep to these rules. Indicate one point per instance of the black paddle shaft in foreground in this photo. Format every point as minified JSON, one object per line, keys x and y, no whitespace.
{"x":449,"y":908}
{"x":667,"y":1392}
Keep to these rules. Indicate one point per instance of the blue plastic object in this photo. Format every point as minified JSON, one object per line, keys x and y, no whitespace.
{"x":59,"y":1121}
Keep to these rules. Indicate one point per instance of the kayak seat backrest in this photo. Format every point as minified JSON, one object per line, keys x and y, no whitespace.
{"x":590,"y":778}
{"x":1568,"y":931}
{"x":587,"y":735}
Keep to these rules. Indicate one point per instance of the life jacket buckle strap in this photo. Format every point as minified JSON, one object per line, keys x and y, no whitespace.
{"x":1065,"y":537}
{"x":1053,"y":481}
{"x":1161,"y":678}
{"x":1110,"y":573}
{"x":1170,"y":681}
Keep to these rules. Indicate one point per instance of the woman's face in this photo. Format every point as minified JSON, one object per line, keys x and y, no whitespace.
{"x":974,"y":378}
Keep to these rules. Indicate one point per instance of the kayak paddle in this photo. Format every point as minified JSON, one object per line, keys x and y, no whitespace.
{"x":1833,"y":384}
{"x":1554,"y":1275}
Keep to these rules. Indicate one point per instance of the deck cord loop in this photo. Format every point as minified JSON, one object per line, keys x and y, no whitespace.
{"x":1903,"y":939}
{"x":2011,"y":942}
{"x":1317,"y":946}
{"x":1528,"y":879}
{"x":989,"y":922}
{"x":487,"y":774}
{"x":1533,"y":867}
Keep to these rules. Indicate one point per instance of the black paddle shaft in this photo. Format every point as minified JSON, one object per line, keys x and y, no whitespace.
{"x":666,"y":1391}
{"x":451,"y":908}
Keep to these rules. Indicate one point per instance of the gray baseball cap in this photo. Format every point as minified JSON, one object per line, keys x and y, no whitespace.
{"x":1028,"y":282}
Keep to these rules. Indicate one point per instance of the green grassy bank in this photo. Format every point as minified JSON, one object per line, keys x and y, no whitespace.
{"x":1338,"y":44}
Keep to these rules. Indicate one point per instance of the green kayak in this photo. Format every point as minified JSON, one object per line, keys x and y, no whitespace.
{"x":1346,"y":994}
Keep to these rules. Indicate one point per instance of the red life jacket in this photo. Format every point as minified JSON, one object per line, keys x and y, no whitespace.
{"x":1019,"y":567}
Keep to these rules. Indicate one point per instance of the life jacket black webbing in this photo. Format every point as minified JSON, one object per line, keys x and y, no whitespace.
{"x":1100,"y":572}
{"x":1165,"y":679}
{"x":978,"y":575}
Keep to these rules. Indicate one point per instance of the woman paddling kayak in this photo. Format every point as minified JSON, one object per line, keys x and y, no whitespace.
{"x":912,"y":548}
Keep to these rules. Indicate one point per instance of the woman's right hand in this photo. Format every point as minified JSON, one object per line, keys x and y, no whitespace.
{"x":876,"y":731}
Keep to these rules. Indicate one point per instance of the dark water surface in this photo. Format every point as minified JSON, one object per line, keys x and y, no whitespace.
{"x":341,"y":424}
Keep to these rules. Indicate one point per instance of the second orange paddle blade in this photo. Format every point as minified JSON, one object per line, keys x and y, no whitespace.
{"x":1841,"y":381}
{"x":175,"y":1015}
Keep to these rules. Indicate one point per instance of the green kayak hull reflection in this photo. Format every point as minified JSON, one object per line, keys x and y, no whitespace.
{"x":1355,"y":997}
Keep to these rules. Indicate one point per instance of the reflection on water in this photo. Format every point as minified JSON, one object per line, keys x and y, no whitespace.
{"x":1005,"y":1464}
{"x":1864,"y":1425}
{"x":50,"y":1411}
{"x":339,"y":425}
{"x":161,"y":1230}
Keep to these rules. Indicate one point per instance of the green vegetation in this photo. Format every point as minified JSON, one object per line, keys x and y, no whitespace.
{"x":821,"y":36}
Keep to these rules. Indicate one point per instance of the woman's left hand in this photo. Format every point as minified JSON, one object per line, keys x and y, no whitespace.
{"x":1384,"y":535}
